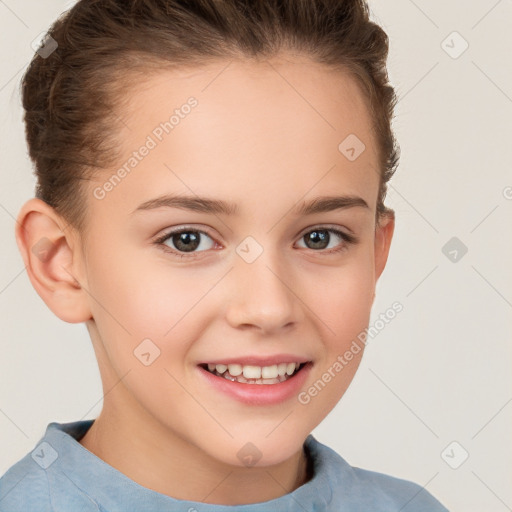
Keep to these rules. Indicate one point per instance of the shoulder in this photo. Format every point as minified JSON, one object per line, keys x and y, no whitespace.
{"x":39,"y":483}
{"x":25,"y":487}
{"x":396,"y":493}
{"x":359,"y":489}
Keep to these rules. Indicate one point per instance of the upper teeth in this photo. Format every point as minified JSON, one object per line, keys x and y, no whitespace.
{"x":256,"y":372}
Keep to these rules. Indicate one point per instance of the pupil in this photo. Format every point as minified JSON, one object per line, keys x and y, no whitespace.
{"x":320,"y":238}
{"x":187,"y":241}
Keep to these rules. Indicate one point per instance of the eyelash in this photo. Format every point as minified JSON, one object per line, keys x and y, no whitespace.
{"x":347,"y":240}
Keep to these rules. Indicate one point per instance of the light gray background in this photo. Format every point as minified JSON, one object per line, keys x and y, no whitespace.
{"x":440,"y":371}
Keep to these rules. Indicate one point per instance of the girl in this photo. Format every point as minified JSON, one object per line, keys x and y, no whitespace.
{"x":210,"y":203}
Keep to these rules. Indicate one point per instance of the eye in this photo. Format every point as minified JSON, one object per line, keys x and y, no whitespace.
{"x":320,"y":239}
{"x":185,"y":240}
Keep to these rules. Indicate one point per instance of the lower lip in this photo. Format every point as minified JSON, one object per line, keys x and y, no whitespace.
{"x":259,"y":394}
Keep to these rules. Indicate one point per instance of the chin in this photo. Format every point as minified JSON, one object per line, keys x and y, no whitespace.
{"x":258,"y":451}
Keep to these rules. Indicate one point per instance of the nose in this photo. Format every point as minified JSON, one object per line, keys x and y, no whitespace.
{"x":262,"y":295}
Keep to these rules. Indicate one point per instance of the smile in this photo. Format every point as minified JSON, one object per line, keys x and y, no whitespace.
{"x":250,"y":391}
{"x":250,"y":374}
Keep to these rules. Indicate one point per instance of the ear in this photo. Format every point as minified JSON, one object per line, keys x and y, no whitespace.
{"x":52,"y":256}
{"x":383,"y":235}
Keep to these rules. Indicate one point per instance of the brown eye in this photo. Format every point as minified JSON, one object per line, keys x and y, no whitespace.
{"x":186,"y":241}
{"x":319,"y":239}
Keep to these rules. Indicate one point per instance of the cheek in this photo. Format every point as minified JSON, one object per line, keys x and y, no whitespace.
{"x":344,"y":312}
{"x":145,"y":319}
{"x":345,"y":303}
{"x":142,"y":293}
{"x":140,"y":299}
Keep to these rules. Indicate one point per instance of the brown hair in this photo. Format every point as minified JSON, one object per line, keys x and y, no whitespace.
{"x":71,"y":95}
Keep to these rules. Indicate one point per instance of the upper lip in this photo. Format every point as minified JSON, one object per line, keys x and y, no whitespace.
{"x":259,"y":360}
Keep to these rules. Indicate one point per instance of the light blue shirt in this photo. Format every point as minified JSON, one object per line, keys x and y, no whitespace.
{"x":60,"y":475}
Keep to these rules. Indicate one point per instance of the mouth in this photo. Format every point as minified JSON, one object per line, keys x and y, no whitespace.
{"x":255,"y":385}
{"x":250,"y":374}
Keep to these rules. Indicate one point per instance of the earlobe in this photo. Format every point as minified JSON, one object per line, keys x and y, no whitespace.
{"x":383,"y":236}
{"x":50,"y":254}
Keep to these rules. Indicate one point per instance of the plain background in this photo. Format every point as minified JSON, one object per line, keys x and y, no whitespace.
{"x":440,"y":371}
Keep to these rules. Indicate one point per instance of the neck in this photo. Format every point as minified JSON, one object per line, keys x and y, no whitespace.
{"x":165,"y":463}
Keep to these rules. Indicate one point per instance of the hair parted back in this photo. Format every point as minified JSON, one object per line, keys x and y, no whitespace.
{"x":72,"y":96}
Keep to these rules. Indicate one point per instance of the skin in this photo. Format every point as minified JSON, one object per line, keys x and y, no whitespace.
{"x":267,"y":144}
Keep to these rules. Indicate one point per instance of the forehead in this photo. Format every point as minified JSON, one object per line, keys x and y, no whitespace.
{"x":280,"y":123}
{"x":242,"y":93}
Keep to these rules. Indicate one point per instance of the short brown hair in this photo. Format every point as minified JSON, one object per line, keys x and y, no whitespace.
{"x":71,"y":96}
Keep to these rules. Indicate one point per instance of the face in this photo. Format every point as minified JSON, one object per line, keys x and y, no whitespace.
{"x":176,"y":284}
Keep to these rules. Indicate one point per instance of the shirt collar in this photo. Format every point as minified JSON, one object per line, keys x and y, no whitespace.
{"x":111,"y":490}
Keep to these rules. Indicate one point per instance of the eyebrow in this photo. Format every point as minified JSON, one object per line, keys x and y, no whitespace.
{"x":215,"y":206}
